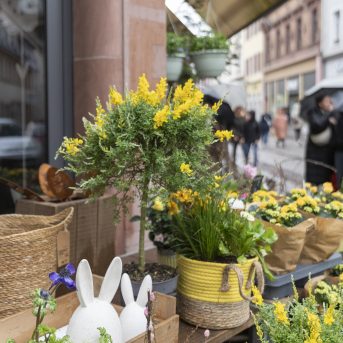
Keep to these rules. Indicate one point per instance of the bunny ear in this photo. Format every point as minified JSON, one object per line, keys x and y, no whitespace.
{"x":111,"y":280}
{"x":126,"y":289}
{"x":84,"y":283}
{"x":146,"y":286}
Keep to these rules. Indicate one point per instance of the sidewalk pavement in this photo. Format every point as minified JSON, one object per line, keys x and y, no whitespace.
{"x":291,"y":159}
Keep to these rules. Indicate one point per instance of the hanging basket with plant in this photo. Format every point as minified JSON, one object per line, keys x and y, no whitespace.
{"x":209,"y":54}
{"x":176,"y":55}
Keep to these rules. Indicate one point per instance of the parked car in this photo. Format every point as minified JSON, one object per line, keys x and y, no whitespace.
{"x":13,"y":144}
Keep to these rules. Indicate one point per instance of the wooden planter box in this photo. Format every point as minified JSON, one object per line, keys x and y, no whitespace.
{"x":20,"y":326}
{"x":93,"y":235}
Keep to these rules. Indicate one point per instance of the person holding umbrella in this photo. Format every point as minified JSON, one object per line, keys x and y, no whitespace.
{"x":320,"y":149}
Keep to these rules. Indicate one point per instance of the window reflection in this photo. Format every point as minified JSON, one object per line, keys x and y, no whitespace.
{"x":23,"y":140}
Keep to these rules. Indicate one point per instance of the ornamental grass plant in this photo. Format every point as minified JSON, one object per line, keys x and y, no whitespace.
{"x":206,"y":228}
{"x":142,"y":142}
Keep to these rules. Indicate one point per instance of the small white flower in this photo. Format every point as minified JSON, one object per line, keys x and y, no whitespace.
{"x":236,"y":204}
{"x":247,"y":216}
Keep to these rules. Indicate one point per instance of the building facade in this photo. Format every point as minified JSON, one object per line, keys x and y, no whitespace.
{"x":332,"y":43}
{"x":252,"y":60}
{"x":292,"y":52}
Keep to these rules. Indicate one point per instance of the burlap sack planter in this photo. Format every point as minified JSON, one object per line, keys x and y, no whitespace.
{"x":287,"y":249}
{"x":28,"y":253}
{"x":216,"y":295}
{"x":323,"y":241}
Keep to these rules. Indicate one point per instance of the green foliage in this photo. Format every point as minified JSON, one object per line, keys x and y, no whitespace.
{"x":299,"y":322}
{"x":139,"y":144}
{"x":42,"y":305}
{"x":104,"y":336}
{"x":207,"y":229}
{"x":217,"y":41}
{"x":176,"y":43}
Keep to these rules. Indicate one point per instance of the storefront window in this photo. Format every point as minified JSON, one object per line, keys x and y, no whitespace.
{"x":23,"y":140}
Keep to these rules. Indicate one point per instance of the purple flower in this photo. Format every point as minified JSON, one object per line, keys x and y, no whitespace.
{"x":63,"y":277}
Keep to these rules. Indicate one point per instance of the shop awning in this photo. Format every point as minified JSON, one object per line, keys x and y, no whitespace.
{"x":230,"y":16}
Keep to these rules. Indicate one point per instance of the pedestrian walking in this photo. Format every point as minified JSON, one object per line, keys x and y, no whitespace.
{"x":238,"y":127}
{"x":297,"y":124}
{"x":280,"y":125}
{"x":320,"y":145}
{"x":265,"y":124}
{"x":251,"y":133}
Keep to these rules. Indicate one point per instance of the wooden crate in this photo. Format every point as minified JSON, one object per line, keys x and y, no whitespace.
{"x":20,"y":326}
{"x":93,"y":235}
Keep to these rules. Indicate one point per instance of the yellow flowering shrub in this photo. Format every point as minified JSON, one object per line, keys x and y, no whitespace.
{"x":299,"y":321}
{"x":223,"y":135}
{"x":144,"y":141}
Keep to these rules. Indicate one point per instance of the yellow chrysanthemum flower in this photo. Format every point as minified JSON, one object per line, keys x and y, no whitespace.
{"x":158,"y":205}
{"x":224,"y":134}
{"x":185,"y":168}
{"x":115,"y":98}
{"x":327,"y":187}
{"x":280,"y":313}
{"x":161,"y":117}
{"x":258,"y":300}
{"x":71,"y":145}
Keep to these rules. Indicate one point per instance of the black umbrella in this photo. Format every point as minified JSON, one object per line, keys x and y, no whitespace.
{"x":333,"y":87}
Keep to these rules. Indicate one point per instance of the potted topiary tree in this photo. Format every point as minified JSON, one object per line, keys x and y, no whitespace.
{"x":209,"y":54}
{"x":141,"y":144}
{"x":176,"y":54}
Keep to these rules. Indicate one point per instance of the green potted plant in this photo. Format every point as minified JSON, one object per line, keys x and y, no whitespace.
{"x":209,"y":54}
{"x":142,"y":143}
{"x":219,"y":251}
{"x":176,"y":55}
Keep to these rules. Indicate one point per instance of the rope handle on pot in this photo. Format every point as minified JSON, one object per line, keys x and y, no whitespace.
{"x":256,"y":266}
{"x":259,"y":273}
{"x":225,"y":281}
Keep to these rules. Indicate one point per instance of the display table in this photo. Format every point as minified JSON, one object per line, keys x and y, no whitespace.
{"x":281,"y":286}
{"x":188,"y":333}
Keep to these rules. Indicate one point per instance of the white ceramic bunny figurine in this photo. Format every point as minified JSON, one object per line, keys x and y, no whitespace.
{"x":96,"y":312}
{"x":132,"y":318}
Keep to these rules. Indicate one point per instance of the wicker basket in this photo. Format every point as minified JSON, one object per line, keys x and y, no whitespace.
{"x":216,"y":295}
{"x":28,"y":253}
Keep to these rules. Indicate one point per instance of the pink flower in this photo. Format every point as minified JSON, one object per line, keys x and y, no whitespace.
{"x":146,"y":312}
{"x":243,"y":196}
{"x":249,"y":171}
{"x":207,"y":333}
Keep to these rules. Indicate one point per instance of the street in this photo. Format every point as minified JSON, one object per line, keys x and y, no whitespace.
{"x":271,"y":158}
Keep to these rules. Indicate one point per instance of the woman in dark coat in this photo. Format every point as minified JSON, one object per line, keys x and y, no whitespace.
{"x":251,"y":134}
{"x":339,"y":149}
{"x":320,"y":142}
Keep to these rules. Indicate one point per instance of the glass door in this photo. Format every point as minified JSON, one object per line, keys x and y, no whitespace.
{"x":23,"y":119}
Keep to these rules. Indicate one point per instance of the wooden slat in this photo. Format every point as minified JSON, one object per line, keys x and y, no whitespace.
{"x":189,"y":334}
{"x":165,"y":332}
{"x":106,"y":233}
